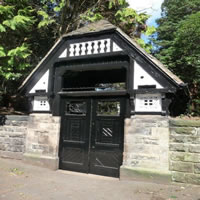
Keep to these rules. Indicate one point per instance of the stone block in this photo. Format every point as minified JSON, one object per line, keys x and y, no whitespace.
{"x":151,"y":141}
{"x":43,"y":161}
{"x":183,"y":130}
{"x":179,"y":147}
{"x":184,"y":123}
{"x":149,"y":157}
{"x":16,"y":135}
{"x":40,"y":118}
{"x":44,"y":149}
{"x":17,"y":141}
{"x":184,"y":139}
{"x":17,"y":117}
{"x":15,"y":148}
{"x":163,"y":123}
{"x":194,"y":148}
{"x":2,"y":147}
{"x":181,"y":166}
{"x":140,"y":131}
{"x":178,"y":177}
{"x":12,"y":155}
{"x":193,"y":178}
{"x":198,"y":131}
{"x":185,"y":157}
{"x":7,"y":140}
{"x":147,"y":175}
{"x":56,"y":120}
{"x":197,"y":168}
{"x":3,"y":134}
{"x":176,"y":156}
{"x":16,"y":123}
{"x":43,"y":139}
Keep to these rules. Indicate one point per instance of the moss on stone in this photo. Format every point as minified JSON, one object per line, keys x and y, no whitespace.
{"x":182,"y":130}
{"x":184,"y":123}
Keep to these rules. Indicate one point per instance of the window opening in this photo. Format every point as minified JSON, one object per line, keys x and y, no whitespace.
{"x":109,"y":108}
{"x":148,"y":103}
{"x":98,"y":80}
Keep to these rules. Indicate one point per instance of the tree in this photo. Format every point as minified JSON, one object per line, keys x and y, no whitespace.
{"x":20,"y":40}
{"x":176,"y":42}
{"x":69,"y":15}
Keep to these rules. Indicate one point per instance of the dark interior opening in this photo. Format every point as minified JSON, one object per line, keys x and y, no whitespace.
{"x":95,"y":80}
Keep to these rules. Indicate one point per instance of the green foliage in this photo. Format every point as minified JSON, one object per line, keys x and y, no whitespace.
{"x":2,"y":52}
{"x":126,"y":18}
{"x":17,"y":20}
{"x":177,"y":39}
{"x":150,"y":30}
{"x":147,"y":47}
{"x":46,"y":19}
{"x":91,"y":16}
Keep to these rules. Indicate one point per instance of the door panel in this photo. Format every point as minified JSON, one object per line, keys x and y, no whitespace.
{"x":75,"y":135}
{"x":107,"y":137}
{"x":92,"y":135}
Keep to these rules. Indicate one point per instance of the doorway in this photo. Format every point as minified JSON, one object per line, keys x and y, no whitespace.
{"x":92,"y":131}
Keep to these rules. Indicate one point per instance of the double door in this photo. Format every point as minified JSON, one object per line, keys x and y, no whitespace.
{"x":92,"y":133}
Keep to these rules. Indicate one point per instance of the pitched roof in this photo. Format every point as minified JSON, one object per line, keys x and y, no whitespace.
{"x":98,"y":26}
{"x":102,"y":26}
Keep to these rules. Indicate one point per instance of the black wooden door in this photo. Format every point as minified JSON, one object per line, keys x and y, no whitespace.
{"x":75,"y":129}
{"x":92,"y":135}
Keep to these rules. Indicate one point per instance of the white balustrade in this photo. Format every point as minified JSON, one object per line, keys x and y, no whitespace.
{"x":71,"y":50}
{"x":96,"y":47}
{"x":89,"y":48}
{"x":92,"y":47}
{"x":108,"y":46}
{"x":83,"y":49}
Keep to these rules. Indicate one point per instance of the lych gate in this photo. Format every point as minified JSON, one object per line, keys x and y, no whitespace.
{"x":94,"y":78}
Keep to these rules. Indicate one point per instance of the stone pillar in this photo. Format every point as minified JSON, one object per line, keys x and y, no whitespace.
{"x":185,"y":150}
{"x":42,"y":140}
{"x":146,"y":148}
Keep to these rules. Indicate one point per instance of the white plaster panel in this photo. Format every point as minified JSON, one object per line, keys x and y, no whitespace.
{"x":116,"y":47}
{"x":63,"y":54}
{"x":141,"y":77}
{"x":148,"y":103}
{"x":42,"y":84}
{"x":40,"y":103}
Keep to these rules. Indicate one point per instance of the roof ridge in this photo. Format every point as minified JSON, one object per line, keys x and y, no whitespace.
{"x":98,"y":26}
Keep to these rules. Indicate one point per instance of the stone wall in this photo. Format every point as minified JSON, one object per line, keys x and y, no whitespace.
{"x":42,"y":141}
{"x":13,"y":129}
{"x":154,"y":146}
{"x":185,"y":151}
{"x":146,"y":145}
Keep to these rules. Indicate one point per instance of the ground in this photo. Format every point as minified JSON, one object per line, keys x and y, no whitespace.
{"x":20,"y":181}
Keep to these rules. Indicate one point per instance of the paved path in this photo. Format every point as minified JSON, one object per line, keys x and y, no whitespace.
{"x":19,"y":181}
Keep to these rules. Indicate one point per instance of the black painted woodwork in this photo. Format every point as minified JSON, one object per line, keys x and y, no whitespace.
{"x":92,"y":141}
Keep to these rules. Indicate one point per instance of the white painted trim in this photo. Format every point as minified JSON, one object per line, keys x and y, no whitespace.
{"x":141,"y":77}
{"x":42,"y":84}
{"x":63,"y":54}
{"x":116,"y":47}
